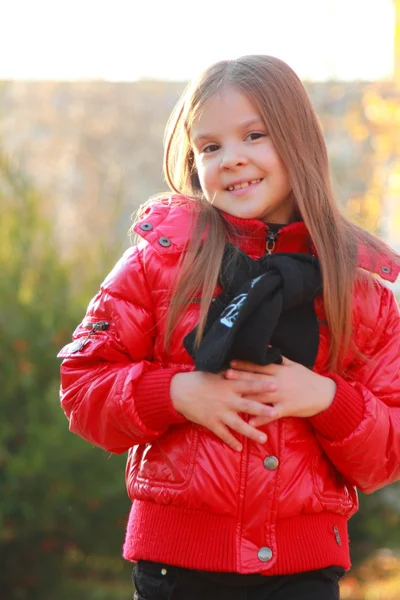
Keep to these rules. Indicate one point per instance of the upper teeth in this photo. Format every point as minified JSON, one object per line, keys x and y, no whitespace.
{"x":243,"y":185}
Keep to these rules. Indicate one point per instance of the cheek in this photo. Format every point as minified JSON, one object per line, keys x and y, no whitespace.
{"x":202,"y":180}
{"x":273,"y":161}
{"x":206,"y":176}
{"x":285,"y":178}
{"x":279,"y":171}
{"x":199,"y":168}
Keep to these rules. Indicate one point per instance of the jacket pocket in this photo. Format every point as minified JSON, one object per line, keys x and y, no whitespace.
{"x":132,"y":467}
{"x":163,"y":467}
{"x":331,"y":489}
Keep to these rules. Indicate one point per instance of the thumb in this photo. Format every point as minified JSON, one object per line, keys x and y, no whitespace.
{"x":286,"y":361}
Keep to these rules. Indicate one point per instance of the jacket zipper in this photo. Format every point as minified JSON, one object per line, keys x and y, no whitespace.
{"x":270,"y":242}
{"x":99,"y":326}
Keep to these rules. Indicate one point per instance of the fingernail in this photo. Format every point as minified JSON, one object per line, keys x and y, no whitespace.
{"x":262,"y":439}
{"x":239,"y":447}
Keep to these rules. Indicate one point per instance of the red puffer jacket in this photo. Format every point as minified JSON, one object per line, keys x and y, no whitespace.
{"x":277,"y":508}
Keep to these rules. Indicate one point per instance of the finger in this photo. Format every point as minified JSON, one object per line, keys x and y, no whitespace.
{"x":250,"y":407}
{"x":244,"y":375}
{"x":241,"y":365}
{"x":269,"y":397}
{"x":274,"y":413}
{"x":251,"y":386}
{"x":234,"y":422}
{"x":225,"y":435}
{"x":286,"y":361}
{"x":261,"y":421}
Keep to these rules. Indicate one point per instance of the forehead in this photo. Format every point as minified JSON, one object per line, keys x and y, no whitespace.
{"x":227,"y":109}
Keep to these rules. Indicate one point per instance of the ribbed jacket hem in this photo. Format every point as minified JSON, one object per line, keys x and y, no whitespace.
{"x":198,"y":540}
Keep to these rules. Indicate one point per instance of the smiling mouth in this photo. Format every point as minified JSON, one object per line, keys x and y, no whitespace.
{"x":245,"y":184}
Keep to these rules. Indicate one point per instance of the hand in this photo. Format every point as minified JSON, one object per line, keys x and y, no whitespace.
{"x":215,"y":402}
{"x":295,"y":390}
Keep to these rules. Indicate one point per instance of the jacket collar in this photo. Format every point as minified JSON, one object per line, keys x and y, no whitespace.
{"x":167,"y":226}
{"x":253,"y":235}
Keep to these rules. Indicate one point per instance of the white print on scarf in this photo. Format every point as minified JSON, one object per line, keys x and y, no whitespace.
{"x":256,"y":280}
{"x":230,"y":314}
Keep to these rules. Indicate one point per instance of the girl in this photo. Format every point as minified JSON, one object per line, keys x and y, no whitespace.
{"x":243,"y":353}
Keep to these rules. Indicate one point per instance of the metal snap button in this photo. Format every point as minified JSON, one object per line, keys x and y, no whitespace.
{"x":164,"y":242}
{"x":271,"y":463}
{"x":386,"y":270}
{"x":264,"y":554}
{"x":146,"y":226}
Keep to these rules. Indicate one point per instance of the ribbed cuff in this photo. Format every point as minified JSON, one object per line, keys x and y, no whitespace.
{"x":153,"y":399}
{"x":344,"y":414}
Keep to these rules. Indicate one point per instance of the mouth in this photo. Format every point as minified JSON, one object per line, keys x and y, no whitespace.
{"x":244,"y":184}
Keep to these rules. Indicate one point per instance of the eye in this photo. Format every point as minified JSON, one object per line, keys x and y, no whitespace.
{"x":255,"y":135}
{"x":210,"y":148}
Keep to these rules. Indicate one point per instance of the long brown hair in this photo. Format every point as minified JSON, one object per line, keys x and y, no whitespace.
{"x":293,"y":125}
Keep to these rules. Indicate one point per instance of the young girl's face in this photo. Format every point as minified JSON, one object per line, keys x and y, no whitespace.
{"x":239,"y":169}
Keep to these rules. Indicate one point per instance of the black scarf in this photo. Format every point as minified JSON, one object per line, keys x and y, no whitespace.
{"x":265,"y":310}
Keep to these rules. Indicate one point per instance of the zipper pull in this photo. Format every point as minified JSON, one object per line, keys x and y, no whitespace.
{"x":270,"y":242}
{"x":99,"y":326}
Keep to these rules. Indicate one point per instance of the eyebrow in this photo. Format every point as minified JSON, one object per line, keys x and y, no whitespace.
{"x":244,"y":125}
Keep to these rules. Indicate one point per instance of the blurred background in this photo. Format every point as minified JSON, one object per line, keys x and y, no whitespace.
{"x":85,"y":92}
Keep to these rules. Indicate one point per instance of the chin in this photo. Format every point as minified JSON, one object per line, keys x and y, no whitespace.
{"x":249,"y":214}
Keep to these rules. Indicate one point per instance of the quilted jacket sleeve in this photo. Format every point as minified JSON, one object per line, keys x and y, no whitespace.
{"x":360,"y":431}
{"x":112,"y":391}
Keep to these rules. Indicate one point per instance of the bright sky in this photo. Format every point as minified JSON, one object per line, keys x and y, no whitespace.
{"x":174,"y":39}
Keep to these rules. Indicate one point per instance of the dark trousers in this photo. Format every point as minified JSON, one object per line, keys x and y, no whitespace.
{"x":155,"y":581}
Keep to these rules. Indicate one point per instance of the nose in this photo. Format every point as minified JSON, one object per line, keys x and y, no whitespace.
{"x":232,"y":159}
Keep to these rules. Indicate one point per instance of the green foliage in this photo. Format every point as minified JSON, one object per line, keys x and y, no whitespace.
{"x":377,"y":523}
{"x":61,"y":500}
